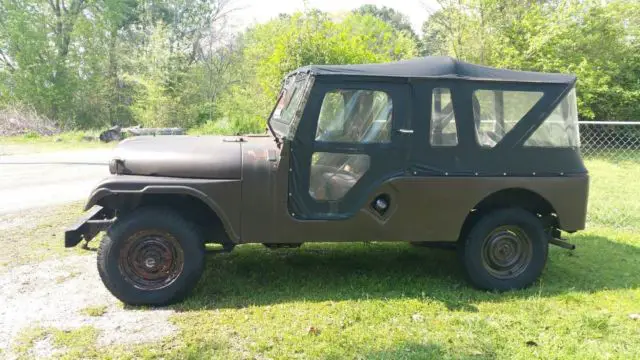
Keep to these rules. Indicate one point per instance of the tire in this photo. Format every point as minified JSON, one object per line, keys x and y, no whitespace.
{"x":152,"y":256}
{"x":506,"y":249}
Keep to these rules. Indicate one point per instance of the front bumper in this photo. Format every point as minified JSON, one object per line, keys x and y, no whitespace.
{"x":86,"y":228}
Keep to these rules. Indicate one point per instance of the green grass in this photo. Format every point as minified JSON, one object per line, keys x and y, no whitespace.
{"x":614,"y":194}
{"x":31,"y":143}
{"x":394,"y":301}
{"x":67,"y":344}
{"x":95,"y":311}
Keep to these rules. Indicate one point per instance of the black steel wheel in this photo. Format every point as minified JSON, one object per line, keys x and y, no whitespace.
{"x":506,"y":249}
{"x":151,"y":259}
{"x":152,"y":256}
{"x":506,"y":252}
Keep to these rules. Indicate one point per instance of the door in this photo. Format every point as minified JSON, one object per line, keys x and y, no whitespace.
{"x":352,"y":138}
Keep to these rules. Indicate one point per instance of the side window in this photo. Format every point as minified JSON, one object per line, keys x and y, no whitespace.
{"x":334,"y":174}
{"x":355,"y":116}
{"x":560,"y":129}
{"x":496,"y":112}
{"x":443,"y":119}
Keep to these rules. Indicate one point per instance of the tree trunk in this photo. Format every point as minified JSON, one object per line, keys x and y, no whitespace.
{"x":65,"y":18}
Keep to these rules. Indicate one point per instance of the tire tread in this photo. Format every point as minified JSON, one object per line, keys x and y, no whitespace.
{"x":470,"y":250}
{"x":167,"y":219}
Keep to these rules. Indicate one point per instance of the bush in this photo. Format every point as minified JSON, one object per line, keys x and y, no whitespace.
{"x":18,"y":119}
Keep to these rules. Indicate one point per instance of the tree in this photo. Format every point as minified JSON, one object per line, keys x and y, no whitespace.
{"x":36,"y":47}
{"x":277,"y":47}
{"x":89,"y":63}
{"x":435,"y":35}
{"x":396,"y":19}
{"x":191,"y":55}
{"x":598,"y":42}
{"x":55,"y":51}
{"x":69,"y":58}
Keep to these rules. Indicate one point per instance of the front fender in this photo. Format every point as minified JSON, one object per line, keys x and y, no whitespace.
{"x":124,"y":191}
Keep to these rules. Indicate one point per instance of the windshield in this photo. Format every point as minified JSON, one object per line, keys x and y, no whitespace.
{"x":290,"y":103}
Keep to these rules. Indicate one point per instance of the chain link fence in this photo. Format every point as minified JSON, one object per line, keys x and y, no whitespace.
{"x":611,"y":151}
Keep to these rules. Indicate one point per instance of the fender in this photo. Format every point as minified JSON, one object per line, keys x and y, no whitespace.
{"x":222,"y":196}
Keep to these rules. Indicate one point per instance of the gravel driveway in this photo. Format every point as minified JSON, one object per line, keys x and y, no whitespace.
{"x":53,"y":293}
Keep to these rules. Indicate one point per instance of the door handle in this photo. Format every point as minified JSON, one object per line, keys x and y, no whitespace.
{"x":405,"y":131}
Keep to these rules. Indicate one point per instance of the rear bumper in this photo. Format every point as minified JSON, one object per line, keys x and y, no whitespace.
{"x":86,"y":228}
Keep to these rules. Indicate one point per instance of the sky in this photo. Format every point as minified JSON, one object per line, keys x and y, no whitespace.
{"x":258,"y":11}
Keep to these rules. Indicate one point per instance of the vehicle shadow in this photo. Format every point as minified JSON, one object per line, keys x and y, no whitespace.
{"x":253,"y":275}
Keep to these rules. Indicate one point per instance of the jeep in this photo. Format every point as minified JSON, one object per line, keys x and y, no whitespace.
{"x":431,"y":151}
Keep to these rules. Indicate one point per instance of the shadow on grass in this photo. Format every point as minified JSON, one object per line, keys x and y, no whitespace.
{"x":254,"y":275}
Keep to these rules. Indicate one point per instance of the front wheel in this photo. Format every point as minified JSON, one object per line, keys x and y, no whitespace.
{"x":506,"y":249}
{"x":152,"y":256}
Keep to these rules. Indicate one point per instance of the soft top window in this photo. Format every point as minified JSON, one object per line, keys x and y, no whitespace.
{"x":560,"y":128}
{"x":496,"y":112}
{"x":443,"y":121}
{"x":355,"y":116}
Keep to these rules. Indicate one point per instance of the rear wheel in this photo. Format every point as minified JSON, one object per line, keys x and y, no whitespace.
{"x":151,"y":257}
{"x":506,"y":249}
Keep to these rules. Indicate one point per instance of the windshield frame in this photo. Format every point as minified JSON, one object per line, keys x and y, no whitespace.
{"x":299,"y":85}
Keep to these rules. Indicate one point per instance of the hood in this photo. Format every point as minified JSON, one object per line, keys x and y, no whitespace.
{"x":203,"y":157}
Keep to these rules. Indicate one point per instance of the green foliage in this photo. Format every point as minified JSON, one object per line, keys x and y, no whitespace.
{"x":85,"y":63}
{"x":52,"y":57}
{"x":396,"y":19}
{"x":92,"y":63}
{"x":155,"y":71}
{"x":597,"y":41}
{"x":275,"y":48}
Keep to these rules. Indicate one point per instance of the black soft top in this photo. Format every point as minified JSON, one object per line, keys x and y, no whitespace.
{"x":438,"y":67}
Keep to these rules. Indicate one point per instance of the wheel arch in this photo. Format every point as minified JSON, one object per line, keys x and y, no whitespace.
{"x":526,"y":199}
{"x":185,"y":200}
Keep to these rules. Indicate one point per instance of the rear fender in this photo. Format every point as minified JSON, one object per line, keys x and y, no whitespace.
{"x":223,"y":197}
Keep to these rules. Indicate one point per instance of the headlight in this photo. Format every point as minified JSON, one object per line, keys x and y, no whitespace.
{"x":115,"y":166}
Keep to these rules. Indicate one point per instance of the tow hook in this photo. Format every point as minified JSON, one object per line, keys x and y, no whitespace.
{"x":556,"y":240}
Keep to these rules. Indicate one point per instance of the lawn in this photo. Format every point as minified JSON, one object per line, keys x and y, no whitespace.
{"x":394,"y":301}
{"x":614,"y":194}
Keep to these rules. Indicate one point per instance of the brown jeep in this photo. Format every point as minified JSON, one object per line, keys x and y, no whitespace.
{"x":431,"y":151}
